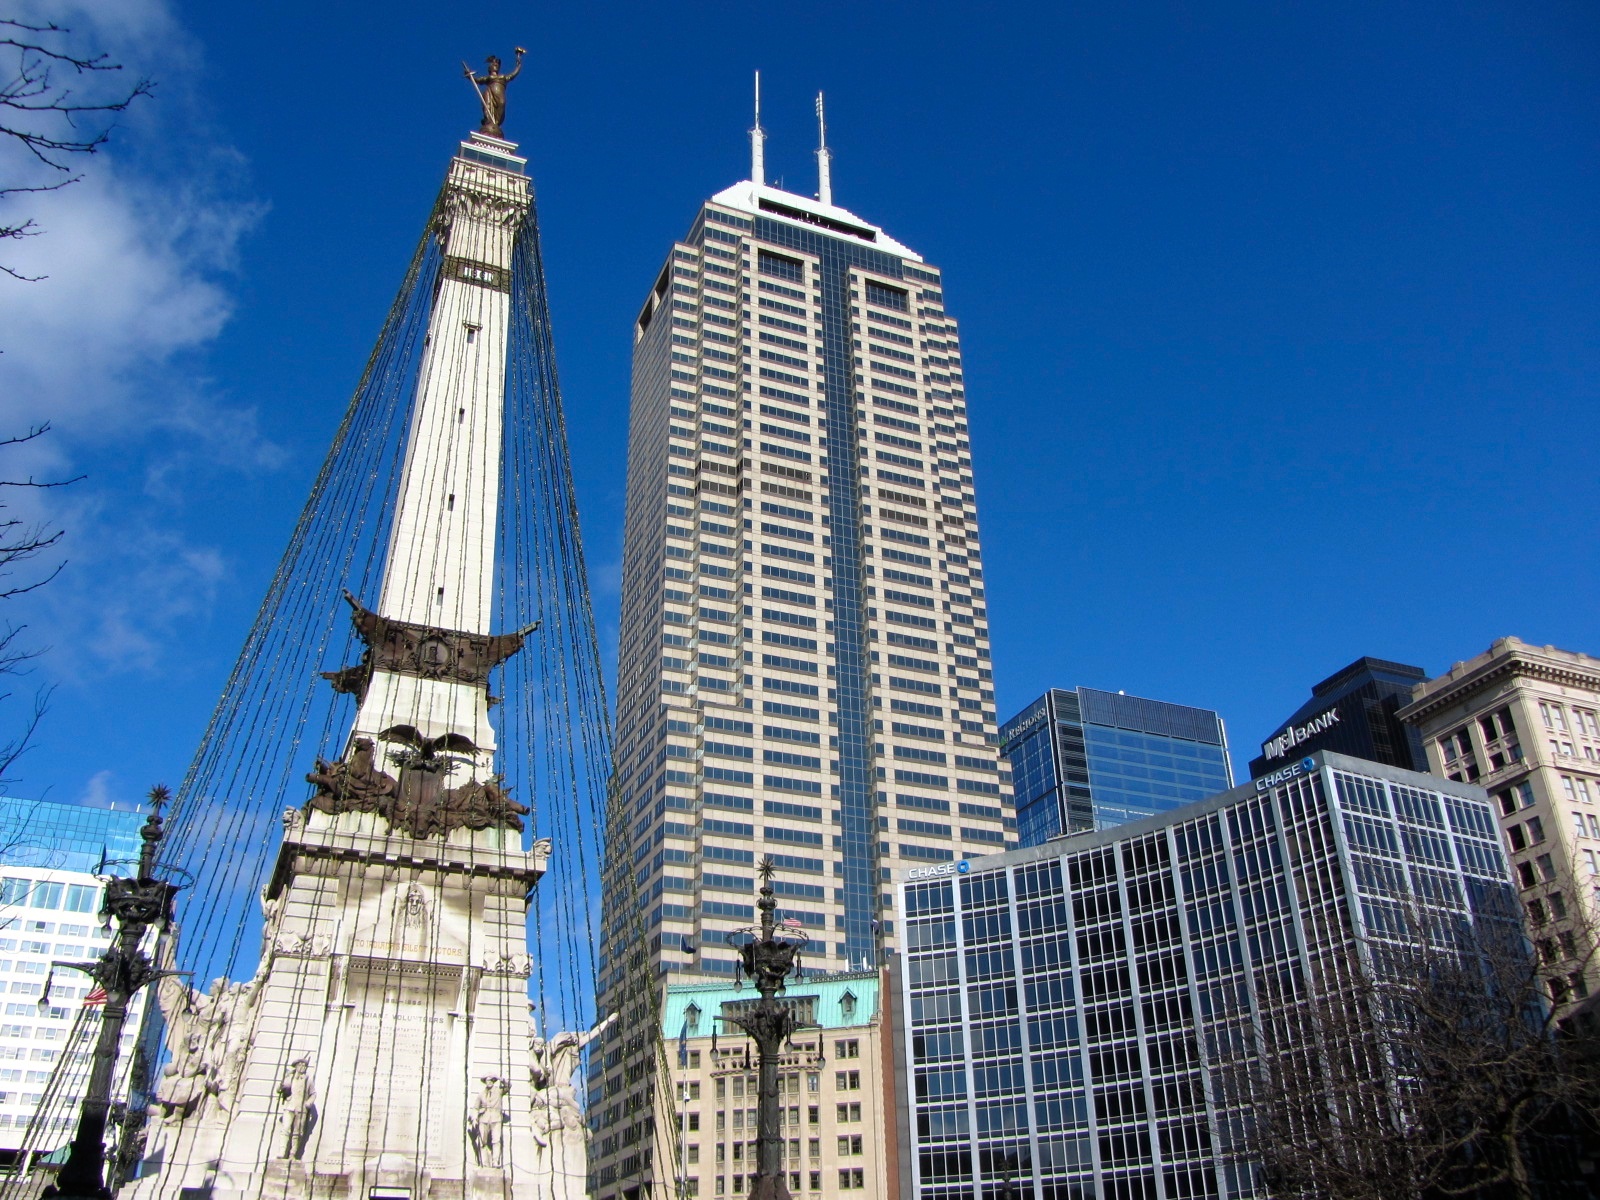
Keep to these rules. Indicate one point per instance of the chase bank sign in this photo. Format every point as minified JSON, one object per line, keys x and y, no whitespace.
{"x":1285,"y":774}
{"x":939,"y":872}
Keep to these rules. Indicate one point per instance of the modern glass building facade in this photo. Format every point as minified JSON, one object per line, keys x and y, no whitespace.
{"x":804,"y":668}
{"x":1084,"y":759}
{"x":1060,"y":1004}
{"x":1351,"y":712}
{"x":67,"y":837}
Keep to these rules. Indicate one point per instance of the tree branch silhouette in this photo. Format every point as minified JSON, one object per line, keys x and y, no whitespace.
{"x":42,"y":111}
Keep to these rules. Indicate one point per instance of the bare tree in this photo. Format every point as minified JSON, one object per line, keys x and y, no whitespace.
{"x":1427,"y":1064}
{"x":23,"y":543}
{"x":58,"y":103}
{"x":42,"y":110}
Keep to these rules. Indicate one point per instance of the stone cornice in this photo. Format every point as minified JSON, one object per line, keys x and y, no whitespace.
{"x":367,"y":843}
{"x":1509,"y":666}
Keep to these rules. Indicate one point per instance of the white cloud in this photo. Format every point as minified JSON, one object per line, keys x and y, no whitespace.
{"x":128,"y":284}
{"x":97,"y":791}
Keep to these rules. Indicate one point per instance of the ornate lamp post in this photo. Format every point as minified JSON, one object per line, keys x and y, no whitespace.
{"x":135,"y":903}
{"x":766,"y":957}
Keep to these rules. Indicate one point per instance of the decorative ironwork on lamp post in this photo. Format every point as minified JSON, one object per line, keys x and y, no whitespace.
{"x":136,"y":903}
{"x":766,"y":957}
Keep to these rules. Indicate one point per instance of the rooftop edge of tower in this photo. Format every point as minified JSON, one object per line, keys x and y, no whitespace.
{"x":759,"y":199}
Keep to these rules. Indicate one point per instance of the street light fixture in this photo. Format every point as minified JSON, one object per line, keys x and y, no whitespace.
{"x":767,"y":954}
{"x":135,"y":903}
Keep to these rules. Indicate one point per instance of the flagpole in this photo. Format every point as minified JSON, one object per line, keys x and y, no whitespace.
{"x":683,"y":1106}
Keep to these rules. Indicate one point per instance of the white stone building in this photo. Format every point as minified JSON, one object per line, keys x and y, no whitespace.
{"x":836,"y":1085}
{"x":1523,"y":722}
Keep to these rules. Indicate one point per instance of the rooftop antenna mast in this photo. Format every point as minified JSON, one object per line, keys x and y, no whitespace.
{"x":824,"y":158}
{"x":758,"y":142}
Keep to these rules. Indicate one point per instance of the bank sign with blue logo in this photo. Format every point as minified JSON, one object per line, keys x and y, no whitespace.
{"x":1285,"y":774}
{"x":939,"y":872}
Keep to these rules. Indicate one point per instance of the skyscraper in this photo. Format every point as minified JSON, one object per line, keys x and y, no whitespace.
{"x":1085,"y":759}
{"x":804,"y":664}
{"x":1351,"y":712}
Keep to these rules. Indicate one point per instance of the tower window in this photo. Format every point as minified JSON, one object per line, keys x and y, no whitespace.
{"x":441,"y":595}
{"x":780,"y":265}
{"x":886,"y":297}
{"x":450,"y":504}
{"x":472,"y":334}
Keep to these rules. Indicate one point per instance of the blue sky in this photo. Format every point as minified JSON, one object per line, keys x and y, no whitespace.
{"x":1281,"y":325}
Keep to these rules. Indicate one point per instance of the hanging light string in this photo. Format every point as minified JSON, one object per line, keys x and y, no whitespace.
{"x":254,"y":753}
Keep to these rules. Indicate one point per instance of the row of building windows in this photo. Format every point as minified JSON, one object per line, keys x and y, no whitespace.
{"x":1554,"y":716}
{"x":35,"y":893}
{"x":849,"y":1179}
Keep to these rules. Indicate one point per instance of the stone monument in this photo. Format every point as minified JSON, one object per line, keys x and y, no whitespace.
{"x":383,"y":1047}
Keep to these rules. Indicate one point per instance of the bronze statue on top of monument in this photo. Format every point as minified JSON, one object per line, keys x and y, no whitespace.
{"x":491,"y":89}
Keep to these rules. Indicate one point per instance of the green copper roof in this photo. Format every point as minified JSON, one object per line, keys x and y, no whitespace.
{"x":828,"y":993}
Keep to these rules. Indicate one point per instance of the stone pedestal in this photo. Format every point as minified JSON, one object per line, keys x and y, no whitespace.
{"x":392,"y":992}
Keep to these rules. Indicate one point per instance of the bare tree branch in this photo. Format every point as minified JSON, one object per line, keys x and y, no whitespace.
{"x":1428,"y":1064}
{"x":22,"y":543}
{"x":42,"y":110}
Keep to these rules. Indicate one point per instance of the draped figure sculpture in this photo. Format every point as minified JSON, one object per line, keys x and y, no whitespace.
{"x":492,"y":93}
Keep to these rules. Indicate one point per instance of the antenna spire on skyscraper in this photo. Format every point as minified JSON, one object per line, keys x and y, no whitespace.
{"x":758,"y":142}
{"x":824,"y":157}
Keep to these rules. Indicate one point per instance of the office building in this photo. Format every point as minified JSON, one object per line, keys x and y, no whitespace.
{"x":1523,"y":722}
{"x":836,"y":1090}
{"x":1060,"y":1003}
{"x":1084,"y":759}
{"x":804,"y":668}
{"x":49,"y":910}
{"x":1351,"y":712}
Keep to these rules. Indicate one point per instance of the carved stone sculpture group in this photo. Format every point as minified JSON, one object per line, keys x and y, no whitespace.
{"x":416,"y":803}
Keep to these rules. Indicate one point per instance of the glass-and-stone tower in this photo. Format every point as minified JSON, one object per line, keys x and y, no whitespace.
{"x":804,"y":667}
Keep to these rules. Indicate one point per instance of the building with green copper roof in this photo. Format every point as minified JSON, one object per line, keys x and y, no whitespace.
{"x":835,"y":1001}
{"x":835,"y":1093}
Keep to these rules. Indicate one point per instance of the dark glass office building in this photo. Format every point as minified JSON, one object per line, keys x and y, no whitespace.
{"x":1058,"y":1008}
{"x":1351,"y":712}
{"x":1083,"y":759}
